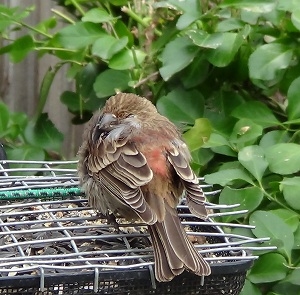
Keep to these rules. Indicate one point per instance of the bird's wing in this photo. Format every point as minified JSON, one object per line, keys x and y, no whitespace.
{"x":121,"y":170}
{"x":177,"y":156}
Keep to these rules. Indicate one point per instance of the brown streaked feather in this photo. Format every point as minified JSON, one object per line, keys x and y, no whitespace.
{"x":130,"y":198}
{"x":167,"y":265}
{"x":195,"y":199}
{"x":194,"y":194}
{"x":181,"y":245}
{"x":156,"y":204}
{"x":178,"y":250}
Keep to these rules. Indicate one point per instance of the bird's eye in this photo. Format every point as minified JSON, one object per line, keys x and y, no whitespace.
{"x":104,"y":134}
{"x":99,"y":134}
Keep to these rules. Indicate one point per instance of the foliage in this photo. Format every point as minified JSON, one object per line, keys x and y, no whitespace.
{"x":227,"y":72}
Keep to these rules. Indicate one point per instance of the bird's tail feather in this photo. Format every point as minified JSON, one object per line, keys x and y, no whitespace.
{"x":173,"y":251}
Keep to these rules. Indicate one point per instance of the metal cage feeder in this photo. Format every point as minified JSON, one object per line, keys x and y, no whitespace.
{"x":51,"y":242}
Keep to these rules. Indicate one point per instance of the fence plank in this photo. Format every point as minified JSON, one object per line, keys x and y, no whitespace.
{"x":20,"y":83}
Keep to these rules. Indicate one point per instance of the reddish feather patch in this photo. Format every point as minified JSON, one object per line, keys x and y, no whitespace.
{"x":157,"y":162}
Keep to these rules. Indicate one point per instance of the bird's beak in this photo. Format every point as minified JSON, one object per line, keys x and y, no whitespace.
{"x":107,"y":120}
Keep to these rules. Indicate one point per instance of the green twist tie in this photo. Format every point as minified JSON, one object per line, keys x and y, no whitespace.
{"x":43,"y":193}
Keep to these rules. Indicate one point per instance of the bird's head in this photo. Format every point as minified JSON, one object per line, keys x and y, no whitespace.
{"x":129,"y":106}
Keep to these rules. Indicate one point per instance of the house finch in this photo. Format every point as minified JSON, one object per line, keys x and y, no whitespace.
{"x":134,"y":163}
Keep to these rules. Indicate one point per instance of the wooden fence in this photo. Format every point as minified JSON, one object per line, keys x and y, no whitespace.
{"x":19,"y":83}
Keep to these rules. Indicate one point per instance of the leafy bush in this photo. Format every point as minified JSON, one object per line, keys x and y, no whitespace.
{"x":227,"y":72}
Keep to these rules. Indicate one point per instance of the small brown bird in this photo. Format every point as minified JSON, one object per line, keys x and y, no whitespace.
{"x":134,"y":163}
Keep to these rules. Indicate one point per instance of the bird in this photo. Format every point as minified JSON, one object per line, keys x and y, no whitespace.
{"x":134,"y":163}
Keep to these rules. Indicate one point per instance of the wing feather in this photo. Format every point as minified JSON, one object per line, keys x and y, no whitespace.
{"x":121,"y":170}
{"x":178,"y":158}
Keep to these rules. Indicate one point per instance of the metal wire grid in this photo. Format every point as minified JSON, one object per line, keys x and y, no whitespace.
{"x":37,"y":174}
{"x":73,"y":226}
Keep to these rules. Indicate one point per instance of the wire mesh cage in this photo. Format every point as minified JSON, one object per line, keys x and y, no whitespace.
{"x":52,"y":242}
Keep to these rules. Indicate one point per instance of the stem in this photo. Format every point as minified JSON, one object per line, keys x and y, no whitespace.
{"x":141,"y":82}
{"x":56,"y":49}
{"x":28,"y":26}
{"x":294,"y":136}
{"x":63,"y":16}
{"x":134,"y":57}
{"x":137,"y":18}
{"x":77,"y":6}
{"x":275,"y":200}
{"x":33,"y":29}
{"x":45,"y":88}
{"x":113,"y":30}
{"x":296,"y":262}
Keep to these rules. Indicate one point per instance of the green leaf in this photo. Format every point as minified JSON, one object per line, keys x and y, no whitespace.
{"x":268,"y":268}
{"x":107,"y":46}
{"x":20,"y":48}
{"x":293,"y":96}
{"x":45,"y":88}
{"x":46,"y":24}
{"x":86,"y":78}
{"x":181,"y":106}
{"x":79,"y":35}
{"x":216,"y":140}
{"x":295,"y":17}
{"x":122,"y":31}
{"x":291,"y":191}
{"x":224,"y":177}
{"x":268,"y":60}
{"x":202,"y":156}
{"x":111,"y":81}
{"x":283,"y":158}
{"x":19,"y":119}
{"x":230,"y":24}
{"x":177,"y":55}
{"x":26,"y":153}
{"x":224,"y":150}
{"x":288,"y":216}
{"x":97,"y":15}
{"x":263,"y":115}
{"x":280,"y":235}
{"x":190,"y":10}
{"x":220,"y":145}
{"x":6,"y":19}
{"x":245,"y":132}
{"x":249,"y":199}
{"x":274,"y":137}
{"x":198,"y":134}
{"x":4,"y":118}
{"x":297,"y":238}
{"x":206,"y":40}
{"x":126,"y":59}
{"x":12,"y":15}
{"x":288,"y":5}
{"x":191,"y":76}
{"x":43,"y":134}
{"x":225,"y":53}
{"x":258,"y":6}
{"x":294,"y":276}
{"x":224,"y":102}
{"x":250,"y":289}
{"x":118,"y":2}
{"x":253,"y":159}
{"x":283,"y":288}
{"x":71,"y":100}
